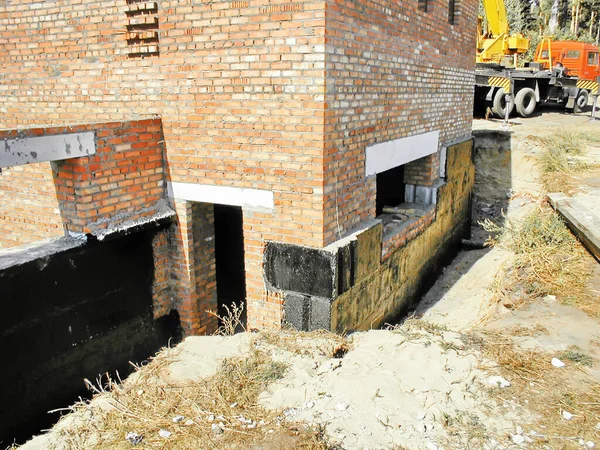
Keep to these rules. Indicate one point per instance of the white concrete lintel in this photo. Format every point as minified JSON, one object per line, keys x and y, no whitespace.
{"x":27,"y":150}
{"x":222,"y":195}
{"x":387,"y":155}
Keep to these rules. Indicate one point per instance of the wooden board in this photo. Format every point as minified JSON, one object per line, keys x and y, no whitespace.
{"x":583,"y":222}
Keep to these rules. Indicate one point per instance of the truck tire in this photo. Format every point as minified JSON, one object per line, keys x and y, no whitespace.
{"x":499,"y":104}
{"x":525,"y":102}
{"x":581,"y":101}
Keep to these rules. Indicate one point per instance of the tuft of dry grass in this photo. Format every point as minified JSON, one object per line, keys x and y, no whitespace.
{"x":574,"y":354}
{"x":548,"y":258}
{"x":544,"y":392}
{"x":220,"y":412}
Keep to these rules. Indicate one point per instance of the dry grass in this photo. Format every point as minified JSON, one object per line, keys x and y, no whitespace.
{"x":322,"y":342}
{"x":149,"y":401}
{"x":560,"y":160}
{"x":544,"y":392}
{"x":519,"y":330}
{"x":548,"y":259}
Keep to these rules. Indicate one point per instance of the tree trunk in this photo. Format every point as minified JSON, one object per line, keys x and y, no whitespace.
{"x":577,"y":11}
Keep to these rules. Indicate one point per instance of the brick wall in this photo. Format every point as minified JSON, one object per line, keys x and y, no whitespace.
{"x":29,"y":209}
{"x":392,"y":71}
{"x":123,"y":181}
{"x":194,"y":283}
{"x":269,"y":94}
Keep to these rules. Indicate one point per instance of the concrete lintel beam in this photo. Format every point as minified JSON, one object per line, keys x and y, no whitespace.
{"x":28,"y":150}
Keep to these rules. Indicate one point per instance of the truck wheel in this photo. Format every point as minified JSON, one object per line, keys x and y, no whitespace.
{"x":581,"y":101}
{"x":499,"y":104}
{"x":525,"y":102}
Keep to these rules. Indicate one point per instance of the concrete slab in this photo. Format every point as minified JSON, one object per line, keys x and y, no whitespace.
{"x":583,"y":222}
{"x":27,"y":150}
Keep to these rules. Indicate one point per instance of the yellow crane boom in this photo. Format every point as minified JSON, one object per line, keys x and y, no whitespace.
{"x":495,"y":43}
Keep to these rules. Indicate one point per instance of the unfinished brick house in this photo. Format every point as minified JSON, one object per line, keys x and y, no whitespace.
{"x":276,"y":129}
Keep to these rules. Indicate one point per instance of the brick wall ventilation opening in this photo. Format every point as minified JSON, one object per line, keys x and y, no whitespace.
{"x":142,"y":28}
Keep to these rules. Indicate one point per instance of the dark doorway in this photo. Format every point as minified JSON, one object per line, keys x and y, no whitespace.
{"x":229,"y":256}
{"x":390,"y":188}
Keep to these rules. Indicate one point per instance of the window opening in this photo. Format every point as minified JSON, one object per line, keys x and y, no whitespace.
{"x":451,"y":11}
{"x":390,"y":188}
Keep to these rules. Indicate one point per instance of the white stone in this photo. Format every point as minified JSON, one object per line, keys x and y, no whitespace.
{"x":216,"y":429}
{"x":498,"y":381}
{"x":566,"y":415}
{"x":164,"y":434}
{"x":178,"y":419}
{"x":341,"y":406}
{"x":517,"y":439}
{"x":133,"y":438}
{"x":557,"y":362}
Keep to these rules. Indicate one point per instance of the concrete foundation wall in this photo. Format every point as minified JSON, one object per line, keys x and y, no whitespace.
{"x":73,"y":310}
{"x":374,"y":275}
{"x":392,"y":287}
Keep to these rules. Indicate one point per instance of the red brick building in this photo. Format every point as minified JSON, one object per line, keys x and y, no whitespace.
{"x":295,"y":112}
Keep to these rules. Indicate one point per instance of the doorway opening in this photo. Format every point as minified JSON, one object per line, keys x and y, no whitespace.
{"x":229,"y":258}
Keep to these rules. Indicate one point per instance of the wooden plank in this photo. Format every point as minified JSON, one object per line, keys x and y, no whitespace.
{"x":583,"y":222}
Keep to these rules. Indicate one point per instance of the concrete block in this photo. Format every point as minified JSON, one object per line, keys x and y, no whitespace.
{"x":409,"y":193}
{"x":423,"y":195}
{"x":297,"y":310}
{"x":345,"y":267}
{"x":303,"y":270}
{"x":320,"y":314}
{"x":368,"y":252}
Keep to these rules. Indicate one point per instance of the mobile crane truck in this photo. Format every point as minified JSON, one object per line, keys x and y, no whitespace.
{"x":503,"y":89}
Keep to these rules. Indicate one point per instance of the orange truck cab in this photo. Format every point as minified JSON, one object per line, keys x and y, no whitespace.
{"x":578,"y":58}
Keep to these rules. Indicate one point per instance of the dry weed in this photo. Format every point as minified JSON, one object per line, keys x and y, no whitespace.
{"x":544,"y":392}
{"x":548,"y":258}
{"x":220,"y":412}
{"x":230,"y":323}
